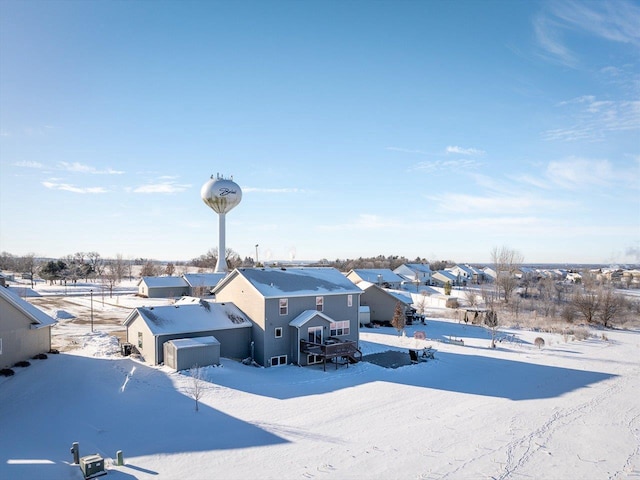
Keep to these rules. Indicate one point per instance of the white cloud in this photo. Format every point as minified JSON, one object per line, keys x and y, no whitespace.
{"x":406,"y":150}
{"x":580,"y":172}
{"x":464,"y":151}
{"x":273,"y":190}
{"x":594,"y":118}
{"x":29,"y":164}
{"x":446,"y":165}
{"x":161,"y":187}
{"x":81,"y":168}
{"x":460,"y":203}
{"x":611,"y":21}
{"x":72,"y":188}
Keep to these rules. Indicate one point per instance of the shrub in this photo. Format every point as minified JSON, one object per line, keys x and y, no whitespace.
{"x":6,"y":372}
{"x":22,"y":363}
{"x":539,"y":342}
{"x":40,"y":356}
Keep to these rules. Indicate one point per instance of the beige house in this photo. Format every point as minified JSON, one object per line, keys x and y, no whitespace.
{"x":25,"y":330}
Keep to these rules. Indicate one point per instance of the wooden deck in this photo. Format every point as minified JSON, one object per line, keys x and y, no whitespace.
{"x":333,"y":349}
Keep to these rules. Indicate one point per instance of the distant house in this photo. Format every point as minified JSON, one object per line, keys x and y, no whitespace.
{"x":201,"y":284}
{"x":25,"y":330}
{"x":148,"y":328}
{"x":441,"y":277}
{"x":163,"y":287}
{"x":383,"y":277}
{"x":382,"y":302}
{"x":490,"y":275}
{"x":415,"y":273}
{"x":466,"y":274}
{"x":300,"y":315}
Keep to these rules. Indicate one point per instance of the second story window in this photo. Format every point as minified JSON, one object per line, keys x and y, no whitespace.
{"x":284,"y":306}
{"x":349,"y":300}
{"x":319,"y":303}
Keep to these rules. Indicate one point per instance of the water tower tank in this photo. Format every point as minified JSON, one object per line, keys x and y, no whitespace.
{"x":221,"y":195}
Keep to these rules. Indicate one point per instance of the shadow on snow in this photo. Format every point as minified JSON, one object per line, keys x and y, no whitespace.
{"x":106,"y":405}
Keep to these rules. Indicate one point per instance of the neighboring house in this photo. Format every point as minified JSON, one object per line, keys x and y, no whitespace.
{"x":25,"y":330}
{"x":162,"y":287}
{"x":441,"y":277}
{"x":415,"y":273}
{"x":383,"y":277}
{"x":148,"y":328}
{"x":201,"y":284}
{"x":3,"y":280}
{"x":382,"y":302}
{"x":466,"y":274}
{"x":300,"y":315}
{"x":490,"y":274}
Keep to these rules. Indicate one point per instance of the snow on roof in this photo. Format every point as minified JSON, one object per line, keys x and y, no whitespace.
{"x":419,"y":267}
{"x":375,"y":275}
{"x":401,"y":297}
{"x":203,"y":279}
{"x":307,"y":315}
{"x":193,"y":317}
{"x":445,"y":273}
{"x":180,"y":343}
{"x":37,"y":316}
{"x":279,"y":282}
{"x":164,"y":282}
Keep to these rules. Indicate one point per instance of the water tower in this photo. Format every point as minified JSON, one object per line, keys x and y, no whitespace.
{"x":221,"y":195}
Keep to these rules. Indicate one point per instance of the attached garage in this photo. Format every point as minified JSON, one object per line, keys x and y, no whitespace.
{"x":185,"y":353}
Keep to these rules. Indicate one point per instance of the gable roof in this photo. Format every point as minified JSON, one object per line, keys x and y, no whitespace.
{"x":38,"y":318}
{"x":397,"y":295}
{"x":293,"y":282}
{"x":374,"y":275}
{"x":195,"y":316}
{"x":307,"y":315}
{"x":418,"y":267}
{"x":166,"y":282}
{"x":203,"y":279}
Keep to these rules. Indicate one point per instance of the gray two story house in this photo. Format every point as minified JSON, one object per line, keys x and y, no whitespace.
{"x":299,"y":315}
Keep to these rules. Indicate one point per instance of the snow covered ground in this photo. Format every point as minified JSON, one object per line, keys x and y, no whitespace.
{"x":568,"y":410}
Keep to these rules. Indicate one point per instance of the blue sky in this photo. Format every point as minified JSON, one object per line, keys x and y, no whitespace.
{"x":358,"y":128}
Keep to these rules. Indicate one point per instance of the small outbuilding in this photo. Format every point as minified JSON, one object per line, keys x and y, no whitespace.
{"x":184,"y":353}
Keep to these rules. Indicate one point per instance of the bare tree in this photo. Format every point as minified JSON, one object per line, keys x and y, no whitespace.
{"x":506,"y":263}
{"x":491,"y":321}
{"x":197,"y":384}
{"x":96,"y":262}
{"x":169,"y":269}
{"x":399,"y":320}
{"x":149,"y":269}
{"x":119,"y":267}
{"x":586,"y":303}
{"x":611,"y":304}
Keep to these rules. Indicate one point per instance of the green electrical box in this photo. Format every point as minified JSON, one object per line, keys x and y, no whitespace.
{"x":92,"y":466}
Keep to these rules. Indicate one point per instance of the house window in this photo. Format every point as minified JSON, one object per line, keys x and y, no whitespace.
{"x":279,"y":360}
{"x":319,"y":303}
{"x":311,"y":359}
{"x":139,"y":339}
{"x":340,"y":328}
{"x":278,"y":332}
{"x":0,"y":346}
{"x":284,"y":306}
{"x":349,"y":300}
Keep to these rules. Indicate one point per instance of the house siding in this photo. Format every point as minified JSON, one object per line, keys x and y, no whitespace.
{"x":19,"y":340}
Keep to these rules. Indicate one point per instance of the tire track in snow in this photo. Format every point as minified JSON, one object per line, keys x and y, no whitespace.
{"x":520,"y":451}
